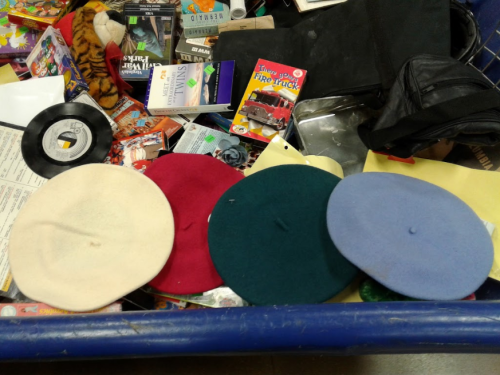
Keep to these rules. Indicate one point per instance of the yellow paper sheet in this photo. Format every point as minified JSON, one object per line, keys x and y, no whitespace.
{"x":479,"y":189}
{"x":349,"y":294}
{"x":280,"y":152}
{"x":7,"y":75}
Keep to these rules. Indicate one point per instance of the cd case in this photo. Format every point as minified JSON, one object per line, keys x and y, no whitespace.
{"x":148,"y":40}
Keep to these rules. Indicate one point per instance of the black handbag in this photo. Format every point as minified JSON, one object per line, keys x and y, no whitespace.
{"x":435,"y":98}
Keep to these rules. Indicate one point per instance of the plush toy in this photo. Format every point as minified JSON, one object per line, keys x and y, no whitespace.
{"x":113,"y":53}
{"x":90,"y":57}
{"x":109,"y":26}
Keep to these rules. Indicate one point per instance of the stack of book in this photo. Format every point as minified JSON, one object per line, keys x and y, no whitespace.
{"x":202,"y":17}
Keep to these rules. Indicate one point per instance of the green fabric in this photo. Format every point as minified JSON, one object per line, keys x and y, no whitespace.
{"x":372,"y":291}
{"x":269,"y":241}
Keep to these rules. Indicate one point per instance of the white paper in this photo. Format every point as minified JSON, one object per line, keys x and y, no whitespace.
{"x":490,"y":227}
{"x":21,"y":101}
{"x":85,"y":98}
{"x":216,"y":298}
{"x":237,"y":9}
{"x":198,"y":139}
{"x":17,"y":183}
{"x":305,"y":6}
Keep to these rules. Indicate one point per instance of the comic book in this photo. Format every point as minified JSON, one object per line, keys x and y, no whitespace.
{"x":137,"y":152}
{"x":148,"y":41}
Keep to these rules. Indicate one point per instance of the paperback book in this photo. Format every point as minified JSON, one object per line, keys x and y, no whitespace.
{"x":266,"y":108}
{"x":190,"y":88}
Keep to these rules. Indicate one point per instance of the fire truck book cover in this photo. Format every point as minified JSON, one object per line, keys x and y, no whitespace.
{"x":51,"y":57}
{"x":137,"y":152}
{"x":190,"y":88}
{"x":268,"y":102}
{"x":38,"y":14}
{"x":148,"y":40}
{"x":15,"y":40}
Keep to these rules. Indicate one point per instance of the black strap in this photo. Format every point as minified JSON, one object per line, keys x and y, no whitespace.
{"x":434,"y":115}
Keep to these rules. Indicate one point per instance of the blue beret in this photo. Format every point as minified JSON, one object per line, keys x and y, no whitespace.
{"x":413,"y":237}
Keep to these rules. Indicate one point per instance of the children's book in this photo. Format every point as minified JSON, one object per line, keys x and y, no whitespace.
{"x":266,"y":108}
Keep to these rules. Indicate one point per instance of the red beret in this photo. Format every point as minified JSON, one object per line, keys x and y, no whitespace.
{"x":192,"y":184}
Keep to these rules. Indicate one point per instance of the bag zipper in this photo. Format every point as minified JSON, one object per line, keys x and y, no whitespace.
{"x":358,"y":90}
{"x":431,"y":134}
{"x":450,"y":82}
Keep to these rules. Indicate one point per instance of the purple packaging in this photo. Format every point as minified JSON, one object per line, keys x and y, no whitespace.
{"x":19,"y":40}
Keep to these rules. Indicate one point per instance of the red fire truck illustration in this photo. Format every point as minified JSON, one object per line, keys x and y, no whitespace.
{"x":268,"y":107}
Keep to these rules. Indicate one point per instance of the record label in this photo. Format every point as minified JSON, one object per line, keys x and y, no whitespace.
{"x":67,"y":140}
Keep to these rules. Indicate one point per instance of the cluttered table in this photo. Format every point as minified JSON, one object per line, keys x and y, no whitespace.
{"x":221,"y":177}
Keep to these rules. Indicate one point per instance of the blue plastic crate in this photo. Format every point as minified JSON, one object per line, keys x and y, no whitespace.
{"x":348,"y":329}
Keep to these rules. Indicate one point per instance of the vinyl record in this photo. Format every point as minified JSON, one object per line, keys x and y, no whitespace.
{"x":64,"y":136}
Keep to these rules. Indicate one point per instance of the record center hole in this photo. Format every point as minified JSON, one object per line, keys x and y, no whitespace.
{"x":67,"y":139}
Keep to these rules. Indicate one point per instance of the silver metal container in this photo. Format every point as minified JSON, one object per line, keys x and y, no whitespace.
{"x":328,"y":127}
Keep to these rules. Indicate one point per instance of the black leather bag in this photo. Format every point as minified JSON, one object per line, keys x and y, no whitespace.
{"x":435,"y":98}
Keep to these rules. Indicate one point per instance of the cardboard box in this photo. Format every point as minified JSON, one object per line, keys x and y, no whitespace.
{"x":51,"y":57}
{"x":37,"y":14}
{"x":19,"y":40}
